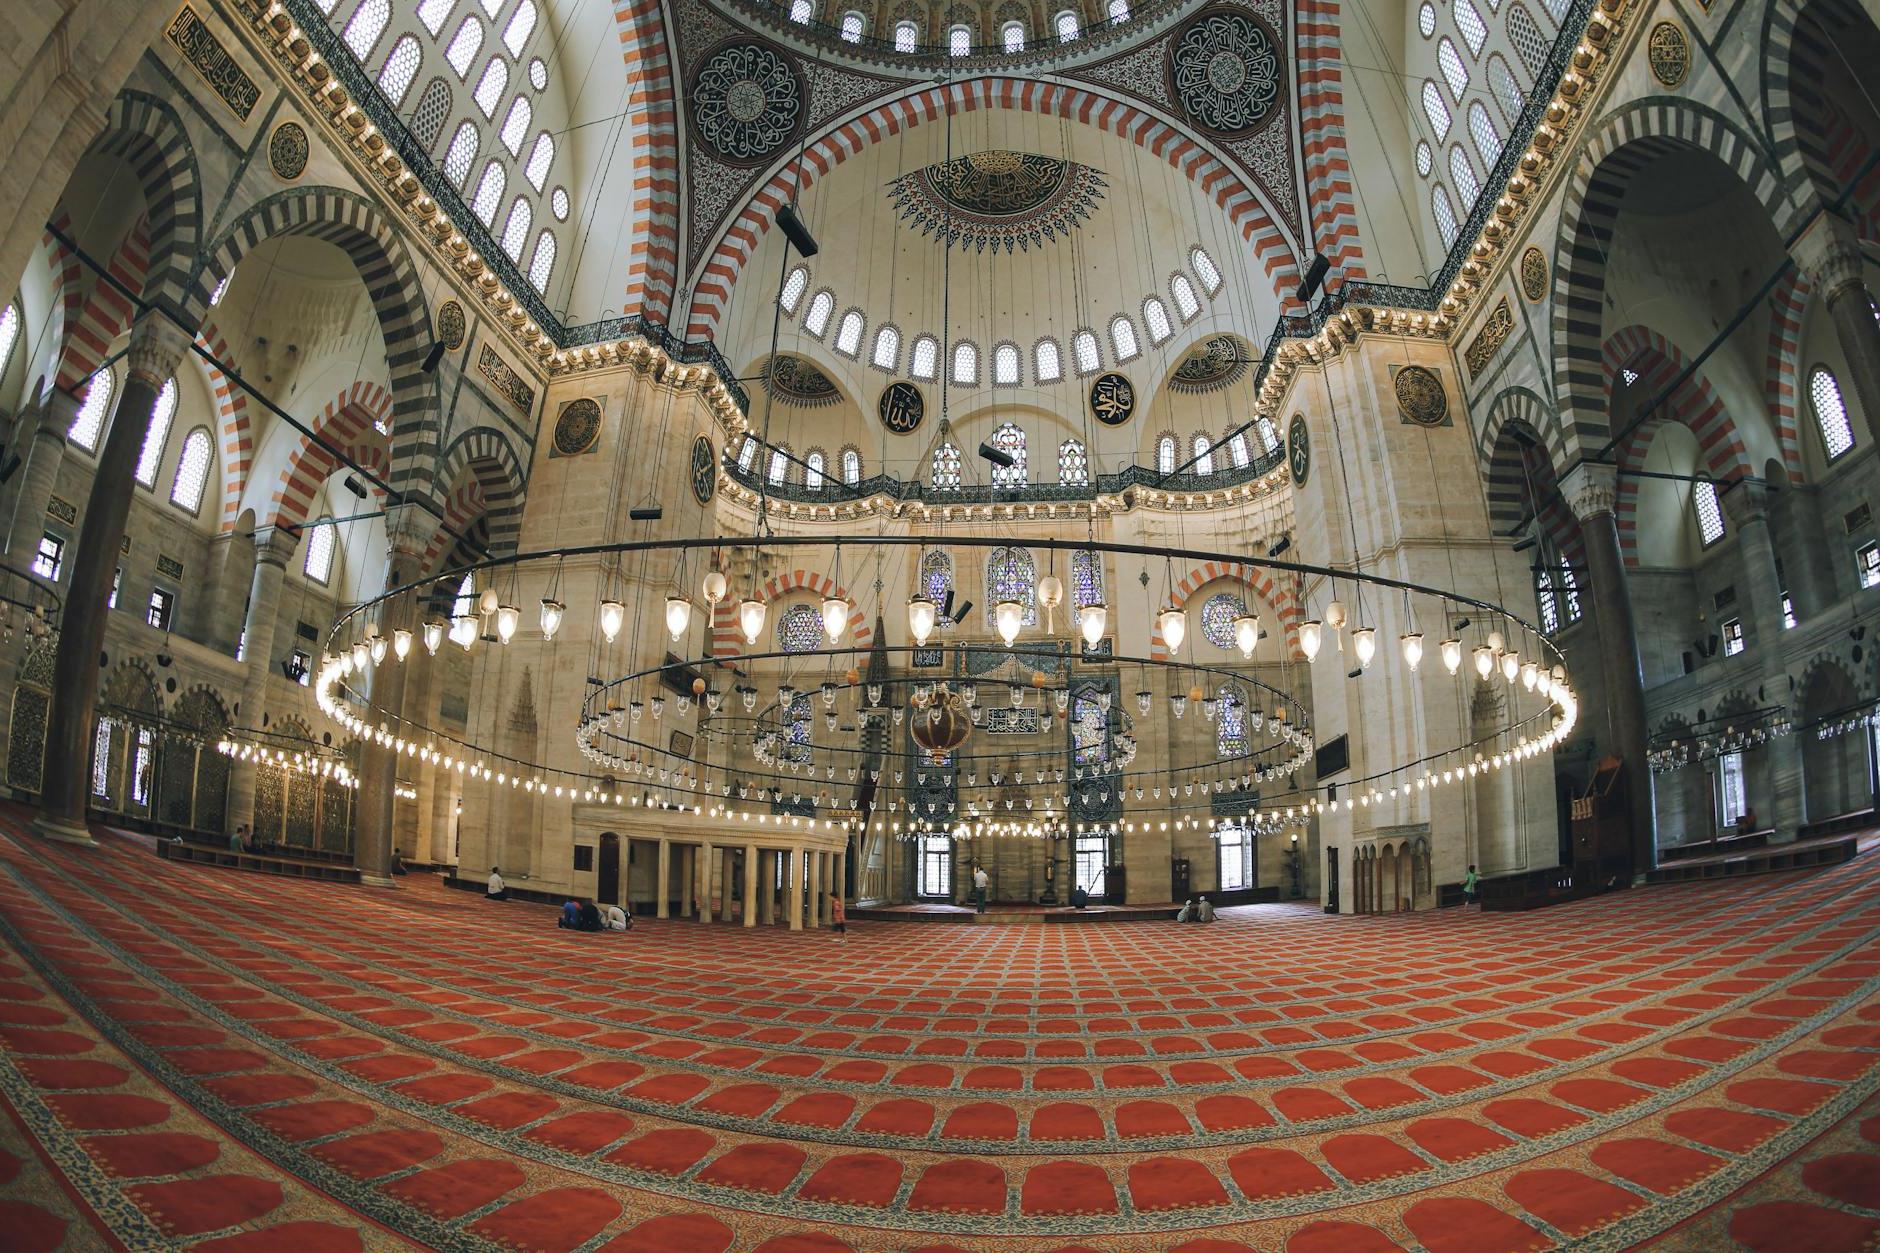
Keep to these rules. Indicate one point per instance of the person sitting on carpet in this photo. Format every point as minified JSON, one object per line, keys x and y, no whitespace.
{"x":1187,"y":913}
{"x":616,"y":919}
{"x":498,"y":891}
{"x":1079,"y":897}
{"x":570,"y":915}
{"x":588,"y":918}
{"x":838,"y":914}
{"x":1204,"y":912}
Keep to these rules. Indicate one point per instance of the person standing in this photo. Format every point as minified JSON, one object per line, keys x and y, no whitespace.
{"x":498,"y":890}
{"x":1470,"y":892}
{"x":981,"y":881}
{"x":838,"y":914}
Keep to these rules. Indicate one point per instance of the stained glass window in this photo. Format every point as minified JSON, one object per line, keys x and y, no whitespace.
{"x":1205,"y":269}
{"x":1045,"y":360}
{"x":1824,"y":392}
{"x":1217,"y":618}
{"x":1463,"y":175}
{"x":821,"y":308}
{"x":945,"y":474}
{"x":489,"y":193}
{"x":464,"y":45}
{"x":521,"y":26}
{"x":887,"y":354}
{"x":1090,"y":730}
{"x":1013,"y":35}
{"x":1073,"y":464}
{"x":1436,"y":110}
{"x":1084,"y":349}
{"x":959,"y":41}
{"x":1455,"y":73}
{"x":1550,"y":605}
{"x":516,"y":125}
{"x":1155,"y":317}
{"x":1469,"y":22}
{"x":1165,"y":455}
{"x":1123,"y":338}
{"x":1011,"y":574}
{"x":1066,"y":23}
{"x":366,"y":25}
{"x":1425,"y":159}
{"x":538,"y":74}
{"x":925,"y":358}
{"x":320,"y":545}
{"x":1201,"y":454}
{"x":1086,"y":583}
{"x":433,"y":12}
{"x":491,"y":86}
{"x":1426,"y":19}
{"x":157,"y":435}
{"x":516,"y":230}
{"x":1571,"y":586}
{"x":965,"y":363}
{"x":849,"y":333}
{"x":1230,"y":721}
{"x":1709,"y":512}
{"x":936,"y":577}
{"x":796,"y":741}
{"x":192,"y":470}
{"x":1483,"y":134}
{"x":88,"y":422}
{"x":462,"y":154}
{"x":401,"y":66}
{"x":1445,"y":214}
{"x":851,"y":466}
{"x":799,"y":630}
{"x":1005,"y":364}
{"x":1012,"y":441}
{"x":1119,"y":10}
{"x":1186,"y":302}
{"x":542,"y":264}
{"x":540,"y":158}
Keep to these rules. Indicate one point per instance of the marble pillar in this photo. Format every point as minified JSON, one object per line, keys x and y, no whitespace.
{"x":752,"y":869}
{"x":767,"y":901}
{"x":660,"y":908}
{"x":41,"y":445}
{"x":795,"y":881}
{"x":1748,"y":505}
{"x":378,"y":763}
{"x":264,"y":602}
{"x":1829,"y":253}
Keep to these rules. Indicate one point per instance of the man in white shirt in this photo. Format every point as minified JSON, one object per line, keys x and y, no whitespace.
{"x":1204,"y":911}
{"x":614,"y":918}
{"x":498,"y":891}
{"x":981,"y":881}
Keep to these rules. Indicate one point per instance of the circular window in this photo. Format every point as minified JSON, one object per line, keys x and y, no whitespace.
{"x":538,"y":71}
{"x":1423,"y":158}
{"x":1426,"y":19}
{"x":559,"y":203}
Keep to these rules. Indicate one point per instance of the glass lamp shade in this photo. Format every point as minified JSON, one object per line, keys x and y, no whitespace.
{"x":488,"y":603}
{"x":360,"y":653}
{"x":714,"y":586}
{"x":1510,"y":665}
{"x":1095,"y":620}
{"x":751,"y":614}
{"x":508,"y":618}
{"x":1173,"y":622}
{"x":433,"y":635}
{"x":1335,"y":615}
{"x":1452,"y":655}
{"x":1309,"y":638}
{"x":678,"y":616}
{"x":464,"y":631}
{"x":1143,"y":698}
{"x":1246,"y":634}
{"x":922,"y":614}
{"x":1050,"y":591}
{"x":1412,"y":650}
{"x":377,"y":649}
{"x":1180,"y":703}
{"x":835,"y":616}
{"x":613,"y":617}
{"x":1495,"y":641}
{"x":1008,"y":616}
{"x":1530,"y":674}
{"x":552,"y":611}
{"x":658,"y":704}
{"x":1484,"y":660}
{"x":401,"y":643}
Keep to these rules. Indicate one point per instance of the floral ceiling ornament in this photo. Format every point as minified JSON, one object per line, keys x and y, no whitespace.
{"x":795,"y":381}
{"x":747,"y":102}
{"x":1212,"y":364}
{"x":998,"y":199}
{"x":1225,"y":69}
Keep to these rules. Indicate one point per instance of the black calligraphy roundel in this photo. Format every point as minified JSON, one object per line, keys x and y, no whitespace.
{"x":1112,"y":399}
{"x":901,"y":407}
{"x":704,"y":471}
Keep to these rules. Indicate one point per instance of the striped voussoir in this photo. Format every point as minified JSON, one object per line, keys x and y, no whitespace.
{"x":106,"y":312}
{"x":147,"y":135}
{"x":713,"y":283}
{"x":1616,"y":149}
{"x":66,"y":274}
{"x":1782,"y":370}
{"x":238,"y":436}
{"x":1847,"y":156}
{"x":1322,"y":134}
{"x":1794,"y":54}
{"x":1274,"y":592}
{"x":728,"y":641}
{"x":347,"y":425}
{"x":485,"y":479}
{"x":652,"y":244}
{"x":1513,"y":471}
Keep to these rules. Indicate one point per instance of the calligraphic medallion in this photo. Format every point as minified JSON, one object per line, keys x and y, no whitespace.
{"x":578,"y":427}
{"x":704,"y":471}
{"x":1112,"y":399}
{"x":1669,"y":53}
{"x":1298,"y":450}
{"x":1421,"y":397}
{"x":901,"y":407}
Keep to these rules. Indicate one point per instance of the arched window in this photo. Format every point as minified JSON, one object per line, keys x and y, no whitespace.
{"x":1529,"y":44}
{"x":1444,"y":212}
{"x":1269,"y":434}
{"x":793,"y":288}
{"x":1123,"y":339}
{"x":427,"y":120}
{"x":799,"y":630}
{"x":1426,"y":19}
{"x":1425,"y":158}
{"x":936,"y":577}
{"x":540,"y":158}
{"x":822,"y":307}
{"x":192,"y":470}
{"x":887,"y":354}
{"x":1507,"y":91}
{"x":814,"y":464}
{"x":88,"y":422}
{"x":1065,"y":23}
{"x":1435,"y":110}
{"x":1462,"y":174}
{"x":1230,"y":722}
{"x":1570,"y":586}
{"x":747,"y":454}
{"x":157,"y":435}
{"x":1483,"y":135}
{"x":1455,"y":73}
{"x":516,"y":124}
{"x":462,"y":154}
{"x":1086,"y":582}
{"x":944,"y":476}
{"x":489,"y":193}
{"x":521,"y":26}
{"x":1549,"y":602}
{"x":1824,"y":394}
{"x":852,"y":27}
{"x":401,"y":66}
{"x":542,"y":264}
{"x":905,"y":36}
{"x":10,"y":335}
{"x":1217,"y":618}
{"x":1709,"y":511}
{"x":1010,"y":440}
{"x":1186,"y":302}
{"x":849,"y":333}
{"x":1201,"y":454}
{"x":1005,"y":364}
{"x":1084,"y":352}
{"x":1556,"y":9}
{"x":319,"y":563}
{"x":1011,"y":574}
{"x":924,"y":361}
{"x":1155,"y":317}
{"x":801,"y":11}
{"x":959,"y":41}
{"x":1239,"y":450}
{"x":466,"y":602}
{"x":1046,"y":362}
{"x":1119,"y":10}
{"x":1469,"y":22}
{"x":1205,"y":269}
{"x":491,"y":86}
{"x":779,"y":464}
{"x":1165,"y":455}
{"x":365,"y":26}
{"x":433,"y":12}
{"x":965,"y":363}
{"x":516,"y":229}
{"x":1073,"y":464}
{"x":1012,"y":35}
{"x":851,"y":466}
{"x":462,"y":50}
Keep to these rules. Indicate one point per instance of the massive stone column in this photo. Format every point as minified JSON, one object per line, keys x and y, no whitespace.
{"x":795,"y":889}
{"x":767,"y":871}
{"x":1829,"y":253}
{"x":751,"y":868}
{"x":264,"y":602}
{"x":408,"y":528}
{"x":817,"y":909}
{"x":1591,"y":492}
{"x":156,"y":347}
{"x":703,"y":886}
{"x":1748,"y":505}
{"x":41,"y":445}
{"x":660,"y":908}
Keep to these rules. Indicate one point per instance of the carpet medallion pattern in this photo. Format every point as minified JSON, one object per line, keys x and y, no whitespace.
{"x":198,"y":1058}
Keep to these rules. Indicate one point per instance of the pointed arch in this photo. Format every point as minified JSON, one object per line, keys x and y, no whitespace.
{"x":346,"y":422}
{"x":146,"y":134}
{"x":486,"y":478}
{"x":728,"y":641}
{"x":1261,"y":580}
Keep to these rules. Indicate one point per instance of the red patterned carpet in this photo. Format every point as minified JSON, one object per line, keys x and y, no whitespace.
{"x":194,"y":1055}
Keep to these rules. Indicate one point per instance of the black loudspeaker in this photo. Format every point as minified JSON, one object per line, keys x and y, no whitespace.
{"x":797,"y":233}
{"x":1315,"y":278}
{"x":997,"y":456}
{"x":432,"y":357}
{"x":6,"y":471}
{"x":646,"y":513}
{"x":965,"y":608}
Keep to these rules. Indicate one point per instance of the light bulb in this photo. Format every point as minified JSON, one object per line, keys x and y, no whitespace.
{"x":1008,"y":616}
{"x":1246,"y":633}
{"x":1452,"y":654}
{"x":1484,"y":660}
{"x":1173,"y":622}
{"x":508,"y":618}
{"x":713,"y":586}
{"x":487,"y":602}
{"x":921,"y":617}
{"x":1309,"y":638}
{"x":1364,"y":643}
{"x":751,"y":614}
{"x":552,"y":611}
{"x":613,"y":616}
{"x":1096,"y":619}
{"x":678,"y":616}
{"x":1335,"y":615}
{"x":1413,"y":650}
{"x":1510,"y":665}
{"x":835,"y":616}
{"x":401,"y":643}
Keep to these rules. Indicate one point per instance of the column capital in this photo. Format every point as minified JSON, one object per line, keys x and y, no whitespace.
{"x":1748,"y":501}
{"x":156,"y":349}
{"x":276,"y":546}
{"x":1829,"y":254}
{"x":1591,"y":489}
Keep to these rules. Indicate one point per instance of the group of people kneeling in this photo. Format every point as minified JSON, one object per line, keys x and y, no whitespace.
{"x":1196,"y":911}
{"x":585,"y":915}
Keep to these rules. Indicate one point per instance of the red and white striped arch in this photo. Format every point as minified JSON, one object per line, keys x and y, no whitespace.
{"x":106,"y":313}
{"x":718,"y":275}
{"x":1782,"y":369}
{"x":238,"y":436}
{"x":728,"y":641}
{"x":1262,"y":581}
{"x":347,"y":424}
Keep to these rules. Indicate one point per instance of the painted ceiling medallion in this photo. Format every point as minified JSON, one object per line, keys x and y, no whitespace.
{"x":450,"y":325}
{"x":1225,"y":69}
{"x":1534,"y":274}
{"x":998,"y":199}
{"x":1421,"y":397}
{"x":795,"y":381}
{"x":1669,"y":53}
{"x":578,"y":427}
{"x":288,"y":150}
{"x":1212,"y":364}
{"x":747,"y":102}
